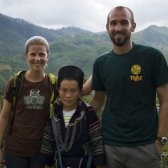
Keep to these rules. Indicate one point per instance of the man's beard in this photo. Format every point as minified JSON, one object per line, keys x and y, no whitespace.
{"x":120,"y":42}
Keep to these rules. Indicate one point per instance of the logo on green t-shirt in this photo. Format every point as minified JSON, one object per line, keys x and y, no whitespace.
{"x":136,"y":69}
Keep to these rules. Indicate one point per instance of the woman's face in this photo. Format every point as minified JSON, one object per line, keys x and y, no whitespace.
{"x":37,"y":57}
{"x":69,"y":93}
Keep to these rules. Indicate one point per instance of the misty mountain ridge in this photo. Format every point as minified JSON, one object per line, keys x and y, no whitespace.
{"x":68,"y":46}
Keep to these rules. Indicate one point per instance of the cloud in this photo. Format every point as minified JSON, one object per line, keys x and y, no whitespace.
{"x":86,"y":14}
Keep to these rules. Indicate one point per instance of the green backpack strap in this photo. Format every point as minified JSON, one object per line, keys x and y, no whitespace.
{"x":18,"y":82}
{"x":54,"y":92}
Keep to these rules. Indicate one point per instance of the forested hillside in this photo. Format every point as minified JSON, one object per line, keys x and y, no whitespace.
{"x":70,"y":45}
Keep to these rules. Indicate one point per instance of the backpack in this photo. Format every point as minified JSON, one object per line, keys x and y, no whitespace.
{"x":18,"y":82}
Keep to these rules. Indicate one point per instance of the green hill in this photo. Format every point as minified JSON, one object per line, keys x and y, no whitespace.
{"x":69,"y":45}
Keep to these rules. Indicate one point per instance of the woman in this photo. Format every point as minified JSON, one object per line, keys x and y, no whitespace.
{"x":22,"y":145}
{"x":77,"y":125}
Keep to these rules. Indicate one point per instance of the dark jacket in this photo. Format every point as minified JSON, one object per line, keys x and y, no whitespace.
{"x":82,"y":134}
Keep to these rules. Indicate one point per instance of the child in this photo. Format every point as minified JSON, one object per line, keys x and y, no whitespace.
{"x":77,"y":126}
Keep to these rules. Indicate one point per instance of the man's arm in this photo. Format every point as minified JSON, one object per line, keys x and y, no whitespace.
{"x":162,"y":92}
{"x":98,"y":100}
{"x":87,"y":87}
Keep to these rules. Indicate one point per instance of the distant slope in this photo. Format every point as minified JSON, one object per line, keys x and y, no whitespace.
{"x":69,"y":45}
{"x":154,"y":36}
{"x":15,"y":32}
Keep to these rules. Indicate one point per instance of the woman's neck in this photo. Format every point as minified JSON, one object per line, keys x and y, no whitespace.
{"x":34,"y":77}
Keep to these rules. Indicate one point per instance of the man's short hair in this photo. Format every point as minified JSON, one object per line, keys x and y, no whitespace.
{"x":119,"y":8}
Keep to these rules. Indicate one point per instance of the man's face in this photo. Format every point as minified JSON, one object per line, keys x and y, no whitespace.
{"x":120,"y":26}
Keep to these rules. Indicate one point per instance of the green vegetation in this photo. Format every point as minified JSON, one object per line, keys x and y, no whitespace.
{"x":68,"y":46}
{"x":165,"y":156}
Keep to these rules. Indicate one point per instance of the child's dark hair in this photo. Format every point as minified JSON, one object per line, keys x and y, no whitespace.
{"x":80,"y":84}
{"x":71,"y":72}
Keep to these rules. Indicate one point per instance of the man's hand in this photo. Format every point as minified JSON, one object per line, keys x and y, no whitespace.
{"x":159,"y":146}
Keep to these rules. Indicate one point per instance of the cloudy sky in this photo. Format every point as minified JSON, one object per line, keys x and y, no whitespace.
{"x":86,"y":14}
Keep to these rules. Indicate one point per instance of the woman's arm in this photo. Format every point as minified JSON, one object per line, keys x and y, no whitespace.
{"x":5,"y":116}
{"x":46,"y":166}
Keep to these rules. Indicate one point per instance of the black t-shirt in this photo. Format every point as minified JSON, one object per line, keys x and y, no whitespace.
{"x":130,"y":80}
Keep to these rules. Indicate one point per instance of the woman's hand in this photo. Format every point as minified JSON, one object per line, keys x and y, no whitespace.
{"x":2,"y":162}
{"x":99,"y":166}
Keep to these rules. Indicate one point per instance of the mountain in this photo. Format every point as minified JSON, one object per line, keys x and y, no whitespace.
{"x":69,"y":45}
{"x":154,"y":36}
{"x":14,"y":33}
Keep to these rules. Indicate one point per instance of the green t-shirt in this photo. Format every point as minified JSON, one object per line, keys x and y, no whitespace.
{"x":130,"y":81}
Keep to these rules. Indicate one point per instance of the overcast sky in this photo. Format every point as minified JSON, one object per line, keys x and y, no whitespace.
{"x":86,"y":14}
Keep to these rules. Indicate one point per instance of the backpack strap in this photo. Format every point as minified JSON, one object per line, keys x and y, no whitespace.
{"x":56,"y":141}
{"x":18,"y":82}
{"x":54,"y":92}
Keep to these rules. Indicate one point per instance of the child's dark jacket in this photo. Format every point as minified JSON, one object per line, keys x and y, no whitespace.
{"x":82,"y":133}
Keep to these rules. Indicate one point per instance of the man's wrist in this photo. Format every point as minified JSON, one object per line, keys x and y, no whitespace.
{"x":162,"y":140}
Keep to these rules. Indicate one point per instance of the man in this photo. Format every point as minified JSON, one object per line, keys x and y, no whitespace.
{"x":128,"y":78}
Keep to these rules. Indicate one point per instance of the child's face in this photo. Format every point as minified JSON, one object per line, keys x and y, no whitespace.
{"x":69,"y":93}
